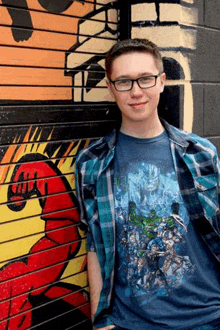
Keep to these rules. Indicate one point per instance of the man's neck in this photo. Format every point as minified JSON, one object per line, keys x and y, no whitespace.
{"x":142,"y":130}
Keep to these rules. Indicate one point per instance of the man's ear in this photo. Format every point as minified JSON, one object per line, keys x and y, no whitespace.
{"x":162,"y":81}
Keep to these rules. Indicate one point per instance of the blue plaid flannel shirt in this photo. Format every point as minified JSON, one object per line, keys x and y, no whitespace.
{"x":197,"y":167}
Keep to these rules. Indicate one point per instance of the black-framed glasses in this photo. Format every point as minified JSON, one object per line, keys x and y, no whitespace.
{"x":126,"y":84}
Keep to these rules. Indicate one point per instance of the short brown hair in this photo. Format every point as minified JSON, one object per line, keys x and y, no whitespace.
{"x":131,"y":46}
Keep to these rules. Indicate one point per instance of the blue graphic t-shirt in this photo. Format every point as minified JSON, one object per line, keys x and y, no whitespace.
{"x":166,"y":277}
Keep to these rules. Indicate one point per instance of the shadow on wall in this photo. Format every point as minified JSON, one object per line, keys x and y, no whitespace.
{"x":170,"y":107}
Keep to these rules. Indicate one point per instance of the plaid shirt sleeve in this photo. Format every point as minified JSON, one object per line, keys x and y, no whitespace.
{"x":80,"y":170}
{"x":217,"y":166}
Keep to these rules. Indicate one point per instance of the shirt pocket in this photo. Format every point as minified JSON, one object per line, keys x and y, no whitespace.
{"x":90,"y":203}
{"x":207,"y":188}
{"x":88,"y":191}
{"x":204,"y":183}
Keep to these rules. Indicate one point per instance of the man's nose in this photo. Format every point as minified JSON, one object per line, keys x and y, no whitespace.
{"x":136,"y":90}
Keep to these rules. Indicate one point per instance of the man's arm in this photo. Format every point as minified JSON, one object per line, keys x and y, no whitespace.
{"x":95,"y":284}
{"x":95,"y":280}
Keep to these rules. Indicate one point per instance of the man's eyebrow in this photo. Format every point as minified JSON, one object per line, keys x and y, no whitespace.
{"x":123,"y":76}
{"x":138,"y":76}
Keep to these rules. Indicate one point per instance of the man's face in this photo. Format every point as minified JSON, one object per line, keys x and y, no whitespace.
{"x":136,"y":105}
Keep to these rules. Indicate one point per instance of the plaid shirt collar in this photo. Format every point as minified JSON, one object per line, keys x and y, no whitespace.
{"x":181,"y":138}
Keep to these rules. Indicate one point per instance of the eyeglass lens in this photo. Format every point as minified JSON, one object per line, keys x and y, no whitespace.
{"x":143,"y":82}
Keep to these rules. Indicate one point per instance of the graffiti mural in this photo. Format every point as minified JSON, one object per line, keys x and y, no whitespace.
{"x":159,"y":18}
{"x":38,"y":284}
{"x":51,"y":66}
{"x":23,"y":18}
{"x":90,"y":73}
{"x":42,"y":32}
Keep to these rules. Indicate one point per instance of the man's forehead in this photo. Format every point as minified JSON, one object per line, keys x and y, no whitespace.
{"x":130,"y":54}
{"x":134,"y":63}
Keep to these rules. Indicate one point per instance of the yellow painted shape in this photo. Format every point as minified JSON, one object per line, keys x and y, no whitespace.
{"x":189,"y":13}
{"x":170,"y":12}
{"x":105,"y":2}
{"x":24,"y":227}
{"x":83,"y":243}
{"x":156,"y":34}
{"x":94,"y":95}
{"x":74,"y":266}
{"x":188,"y":116}
{"x":97,"y":45}
{"x":78,"y":279}
{"x":17,"y":248}
{"x":143,"y":12}
{"x":94,"y":27}
{"x":31,"y":208}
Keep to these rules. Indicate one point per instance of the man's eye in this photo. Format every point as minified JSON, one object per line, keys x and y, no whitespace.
{"x":123,"y":82}
{"x":146,"y":79}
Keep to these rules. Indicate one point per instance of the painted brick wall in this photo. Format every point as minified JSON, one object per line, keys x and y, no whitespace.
{"x":188,"y":34}
{"x":53,"y":102}
{"x":205,"y":70}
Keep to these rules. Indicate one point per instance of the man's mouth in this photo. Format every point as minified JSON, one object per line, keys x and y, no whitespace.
{"x":137,"y":104}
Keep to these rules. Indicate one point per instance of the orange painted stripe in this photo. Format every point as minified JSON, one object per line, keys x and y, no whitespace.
{"x":31,"y":57}
{"x":33,"y":77}
{"x":35,"y":93}
{"x":51,"y":22}
{"x":48,"y":40}
{"x":51,"y":40}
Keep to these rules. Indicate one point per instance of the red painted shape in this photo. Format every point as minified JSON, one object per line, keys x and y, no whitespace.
{"x":44,"y":265}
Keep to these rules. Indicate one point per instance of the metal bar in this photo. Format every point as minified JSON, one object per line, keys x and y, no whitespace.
{"x":124,"y":19}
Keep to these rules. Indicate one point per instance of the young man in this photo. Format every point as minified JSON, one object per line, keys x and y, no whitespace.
{"x":150,"y":197}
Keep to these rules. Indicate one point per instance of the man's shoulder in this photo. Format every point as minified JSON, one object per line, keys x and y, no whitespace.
{"x":203,"y":142}
{"x":200,"y":142}
{"x":97,"y":148}
{"x":89,"y":152}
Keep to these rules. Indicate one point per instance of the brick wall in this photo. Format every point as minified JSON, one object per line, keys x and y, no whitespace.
{"x":188,"y":35}
{"x":205,"y":70}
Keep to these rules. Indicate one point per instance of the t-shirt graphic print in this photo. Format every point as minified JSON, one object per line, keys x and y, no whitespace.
{"x":152,"y":223}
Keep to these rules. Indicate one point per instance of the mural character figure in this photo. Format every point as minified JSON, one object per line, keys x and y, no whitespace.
{"x":22,"y":18}
{"x":34,"y":277}
{"x":57,"y":6}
